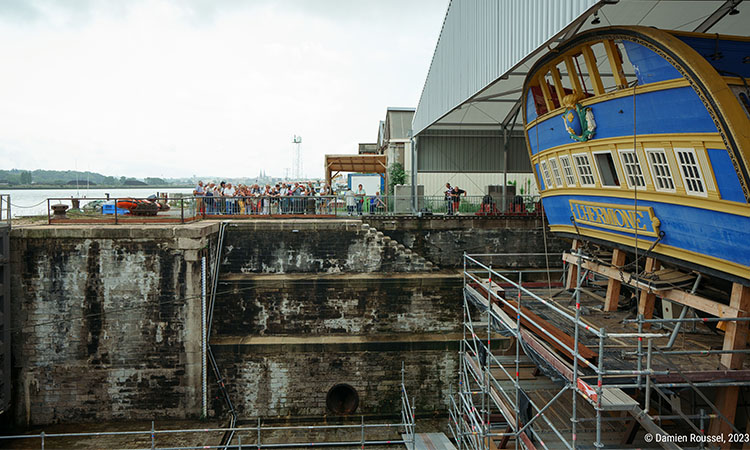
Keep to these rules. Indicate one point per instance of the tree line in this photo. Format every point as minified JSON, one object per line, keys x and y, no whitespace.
{"x":20,"y":177}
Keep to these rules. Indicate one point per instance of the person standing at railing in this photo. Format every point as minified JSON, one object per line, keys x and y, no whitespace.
{"x":199,"y":192}
{"x":456,"y":192}
{"x":376,"y":204}
{"x":448,"y":199}
{"x":266,"y":200}
{"x":209,"y":197}
{"x":326,"y":202}
{"x":350,"y":200}
{"x":283,"y":200}
{"x":229,"y":198}
{"x":360,"y":193}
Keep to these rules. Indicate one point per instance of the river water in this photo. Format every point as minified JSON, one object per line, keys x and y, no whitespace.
{"x":33,"y":202}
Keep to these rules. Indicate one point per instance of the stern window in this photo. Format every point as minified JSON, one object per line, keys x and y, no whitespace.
{"x":545,"y":172}
{"x":633,"y":173}
{"x":691,"y":173}
{"x":607,"y":170}
{"x":660,"y":170}
{"x":584,"y":169}
{"x":570,"y":177}
{"x":556,"y":172}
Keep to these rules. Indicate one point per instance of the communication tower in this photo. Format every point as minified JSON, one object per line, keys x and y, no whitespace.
{"x":297,"y":161}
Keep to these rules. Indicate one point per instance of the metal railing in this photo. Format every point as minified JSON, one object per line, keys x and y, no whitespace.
{"x":490,"y":386}
{"x":5,"y":209}
{"x":188,"y":208}
{"x":235,"y":437}
{"x":408,"y":413}
{"x":351,"y":205}
{"x":246,"y":437}
{"x":121,"y":210}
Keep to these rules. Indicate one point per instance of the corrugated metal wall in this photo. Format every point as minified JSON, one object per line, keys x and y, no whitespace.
{"x":483,"y":39}
{"x":470,"y":151}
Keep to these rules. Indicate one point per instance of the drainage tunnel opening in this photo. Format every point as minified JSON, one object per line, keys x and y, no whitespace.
{"x":342,"y":399}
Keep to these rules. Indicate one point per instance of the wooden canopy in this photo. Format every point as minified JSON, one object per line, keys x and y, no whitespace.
{"x":336,"y":164}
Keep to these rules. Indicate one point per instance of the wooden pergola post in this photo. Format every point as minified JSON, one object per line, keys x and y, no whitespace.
{"x":613,"y":285}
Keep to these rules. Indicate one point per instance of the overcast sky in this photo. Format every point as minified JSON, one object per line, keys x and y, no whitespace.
{"x":204,"y":87}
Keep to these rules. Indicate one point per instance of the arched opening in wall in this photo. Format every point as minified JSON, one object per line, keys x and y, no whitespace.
{"x":342,"y":399}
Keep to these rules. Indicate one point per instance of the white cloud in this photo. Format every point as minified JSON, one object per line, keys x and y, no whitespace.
{"x":168,"y":88}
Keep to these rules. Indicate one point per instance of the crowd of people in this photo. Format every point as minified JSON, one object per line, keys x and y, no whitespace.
{"x":280,"y":198}
{"x":298,"y":198}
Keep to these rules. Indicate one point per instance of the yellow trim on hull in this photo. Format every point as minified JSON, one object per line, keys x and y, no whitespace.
{"x":662,"y":249}
{"x":724,"y":206}
{"x":653,"y":87}
{"x":664,"y":138}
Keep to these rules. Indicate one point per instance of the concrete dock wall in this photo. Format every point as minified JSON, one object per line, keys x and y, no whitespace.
{"x":107,"y":319}
{"x":106,"y":322}
{"x":443,"y":240}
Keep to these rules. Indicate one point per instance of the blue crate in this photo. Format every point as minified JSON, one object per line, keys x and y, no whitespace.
{"x":110,"y":209}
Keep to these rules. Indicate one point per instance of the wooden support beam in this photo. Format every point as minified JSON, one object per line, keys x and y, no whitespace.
{"x":675,"y":295}
{"x":572,"y":280}
{"x":648,"y":298}
{"x":614,"y":284}
{"x":615,"y":63}
{"x":546,"y":93}
{"x":726,"y":402}
{"x":596,"y":79}
{"x":735,"y":337}
{"x":559,"y":88}
{"x":573,"y":74}
{"x":631,"y":430}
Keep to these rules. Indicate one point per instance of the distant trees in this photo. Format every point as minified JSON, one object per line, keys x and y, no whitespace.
{"x":133,"y":182}
{"x":154,"y":181}
{"x":43,"y":177}
{"x":25,"y":177}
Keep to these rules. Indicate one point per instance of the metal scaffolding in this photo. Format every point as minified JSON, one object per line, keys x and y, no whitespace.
{"x":626,"y":371}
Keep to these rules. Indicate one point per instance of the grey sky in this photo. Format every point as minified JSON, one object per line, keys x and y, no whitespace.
{"x":176,"y":88}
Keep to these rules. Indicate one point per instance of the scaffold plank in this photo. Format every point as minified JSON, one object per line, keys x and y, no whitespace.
{"x":428,"y":441}
{"x":615,"y":399}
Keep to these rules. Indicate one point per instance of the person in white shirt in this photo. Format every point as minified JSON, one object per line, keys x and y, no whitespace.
{"x":230,"y":202}
{"x":360,"y":193}
{"x":199,"y":192}
{"x":351,"y":201}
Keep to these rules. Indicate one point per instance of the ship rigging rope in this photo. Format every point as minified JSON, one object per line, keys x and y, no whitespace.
{"x":544,"y":230}
{"x":635,"y":196}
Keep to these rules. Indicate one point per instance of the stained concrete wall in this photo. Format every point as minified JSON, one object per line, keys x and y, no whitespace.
{"x":345,"y":304}
{"x":314,"y":304}
{"x":107,"y":322}
{"x":107,"y":318}
{"x":291,"y":376}
{"x":443,"y":240}
{"x":313,"y":246}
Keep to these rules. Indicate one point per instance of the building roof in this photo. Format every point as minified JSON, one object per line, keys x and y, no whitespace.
{"x":398,"y":123}
{"x":367,"y":148}
{"x":486,"y":48}
{"x":354,"y":163}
